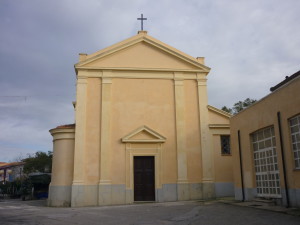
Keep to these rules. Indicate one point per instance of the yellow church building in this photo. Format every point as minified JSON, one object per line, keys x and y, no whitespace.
{"x":143,"y":130}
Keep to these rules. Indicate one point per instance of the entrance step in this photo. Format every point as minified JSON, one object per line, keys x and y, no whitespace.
{"x":264,"y":201}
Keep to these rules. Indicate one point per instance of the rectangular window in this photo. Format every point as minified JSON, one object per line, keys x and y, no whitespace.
{"x":295,"y":137}
{"x":225,"y":145}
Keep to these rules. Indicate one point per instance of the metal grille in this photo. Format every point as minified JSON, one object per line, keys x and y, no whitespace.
{"x":295,"y":133}
{"x":266,"y":165}
{"x":225,"y":144}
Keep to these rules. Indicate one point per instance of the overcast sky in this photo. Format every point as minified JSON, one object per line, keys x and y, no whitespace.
{"x":250,"y":46}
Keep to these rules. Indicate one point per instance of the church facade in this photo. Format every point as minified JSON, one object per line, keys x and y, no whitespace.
{"x":143,"y":130}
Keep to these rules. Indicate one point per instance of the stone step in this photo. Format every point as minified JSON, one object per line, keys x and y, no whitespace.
{"x":264,"y":201}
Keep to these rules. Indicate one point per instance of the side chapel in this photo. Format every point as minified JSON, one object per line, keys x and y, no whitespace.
{"x":143,"y":130}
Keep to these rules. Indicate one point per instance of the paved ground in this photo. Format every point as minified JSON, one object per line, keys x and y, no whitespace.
{"x":183,"y":213}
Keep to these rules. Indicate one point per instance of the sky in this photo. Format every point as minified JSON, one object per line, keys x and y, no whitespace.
{"x":250,"y":46}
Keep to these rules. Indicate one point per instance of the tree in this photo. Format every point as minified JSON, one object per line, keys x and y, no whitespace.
{"x":229,"y":110}
{"x":248,"y":102}
{"x":39,"y":162}
{"x":239,"y":106}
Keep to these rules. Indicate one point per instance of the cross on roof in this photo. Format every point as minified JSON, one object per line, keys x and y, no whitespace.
{"x":142,"y":19}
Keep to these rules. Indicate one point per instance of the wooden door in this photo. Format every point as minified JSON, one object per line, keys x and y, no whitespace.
{"x":144,"y":182}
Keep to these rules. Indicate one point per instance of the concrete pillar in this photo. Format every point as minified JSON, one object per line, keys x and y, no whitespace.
{"x":62,"y":166}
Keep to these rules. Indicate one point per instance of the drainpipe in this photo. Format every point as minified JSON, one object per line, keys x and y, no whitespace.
{"x":283,"y":161}
{"x":241,"y":164}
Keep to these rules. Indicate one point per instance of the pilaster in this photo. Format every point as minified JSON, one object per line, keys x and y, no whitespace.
{"x":80,"y":132}
{"x":105,"y":145}
{"x":77,"y":199}
{"x":206,"y":142}
{"x":182,"y":179}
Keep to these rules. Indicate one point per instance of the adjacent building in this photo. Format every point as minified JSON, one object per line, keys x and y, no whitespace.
{"x":11,"y":171}
{"x":265,"y":142}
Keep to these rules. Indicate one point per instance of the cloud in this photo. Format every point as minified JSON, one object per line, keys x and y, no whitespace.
{"x":250,"y":46}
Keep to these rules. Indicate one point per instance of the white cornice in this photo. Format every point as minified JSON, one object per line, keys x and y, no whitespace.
{"x":141,"y":69}
{"x":219,"y":111}
{"x":104,"y":53}
{"x":218,"y":126}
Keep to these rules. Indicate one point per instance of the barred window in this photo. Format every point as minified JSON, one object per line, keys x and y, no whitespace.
{"x":225,"y":145}
{"x":295,"y":138}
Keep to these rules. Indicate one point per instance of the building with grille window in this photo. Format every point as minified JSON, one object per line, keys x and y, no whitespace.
{"x":265,"y":142}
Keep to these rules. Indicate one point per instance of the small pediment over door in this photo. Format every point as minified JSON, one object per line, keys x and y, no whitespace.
{"x":143,"y":135}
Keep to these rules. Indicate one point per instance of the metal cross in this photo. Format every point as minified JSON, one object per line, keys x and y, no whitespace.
{"x":141,"y":19}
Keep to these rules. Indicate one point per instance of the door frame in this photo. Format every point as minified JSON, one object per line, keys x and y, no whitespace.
{"x":145,"y":149}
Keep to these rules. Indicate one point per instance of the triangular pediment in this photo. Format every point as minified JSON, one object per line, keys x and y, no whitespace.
{"x":141,"y":52}
{"x":143,"y":134}
{"x":219,"y":112}
{"x":218,"y":118}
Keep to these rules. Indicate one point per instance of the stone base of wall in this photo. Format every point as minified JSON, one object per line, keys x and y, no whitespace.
{"x":59,"y":196}
{"x":224,"y":189}
{"x":294,"y":196}
{"x":94,"y":195}
{"x":250,"y":194}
